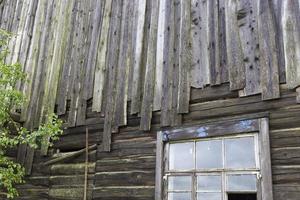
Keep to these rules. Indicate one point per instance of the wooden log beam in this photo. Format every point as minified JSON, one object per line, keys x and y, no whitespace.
{"x":70,"y":155}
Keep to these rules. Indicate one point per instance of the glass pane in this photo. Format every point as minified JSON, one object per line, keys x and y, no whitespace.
{"x":209,"y":196}
{"x":240,"y":152}
{"x":181,"y":156}
{"x":180,"y":183}
{"x":241,"y":182}
{"x":209,"y":154}
{"x":179,"y":196}
{"x":209,"y":183}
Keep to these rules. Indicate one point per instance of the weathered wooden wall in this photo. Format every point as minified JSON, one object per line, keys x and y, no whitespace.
{"x":128,"y":171}
{"x":147,"y":53}
{"x":134,"y":66}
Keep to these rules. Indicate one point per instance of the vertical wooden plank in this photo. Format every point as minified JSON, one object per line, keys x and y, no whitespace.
{"x":16,"y":20}
{"x":159,"y":166}
{"x":101,"y":58}
{"x":265,"y":160}
{"x":35,"y":105}
{"x":132,"y":46}
{"x":176,"y":118}
{"x":7,"y":16}
{"x":31,"y":62}
{"x":213,"y":42}
{"x":120,"y":111}
{"x":222,"y":43}
{"x":79,"y":65}
{"x":113,"y":53}
{"x":184,"y":58}
{"x":64,"y":82}
{"x":137,"y":69}
{"x":168,"y":64}
{"x":82,"y":100}
{"x":291,"y":38}
{"x":20,"y":31}
{"x":27,"y":36}
{"x":55,"y":65}
{"x":278,"y":11}
{"x":247,"y":21}
{"x":96,"y":24}
{"x":268,"y":53}
{"x":147,"y":101}
{"x":33,"y":69}
{"x":23,"y":53}
{"x":159,"y":57}
{"x":234,"y":48}
{"x":200,"y":72}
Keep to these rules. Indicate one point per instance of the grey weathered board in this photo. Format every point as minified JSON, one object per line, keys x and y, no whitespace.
{"x":148,"y":61}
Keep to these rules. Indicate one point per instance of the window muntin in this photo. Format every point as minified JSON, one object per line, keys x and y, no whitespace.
{"x":214,"y":178}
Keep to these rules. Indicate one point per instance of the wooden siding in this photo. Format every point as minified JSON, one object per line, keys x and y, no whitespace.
{"x":149,"y":52}
{"x":128,"y":171}
{"x":137,"y":66}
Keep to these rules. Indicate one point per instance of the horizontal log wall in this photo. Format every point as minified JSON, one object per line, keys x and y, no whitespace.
{"x":128,"y":171}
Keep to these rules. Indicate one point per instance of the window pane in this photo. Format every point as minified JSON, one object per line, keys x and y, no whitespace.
{"x":179,"y":196}
{"x":180,"y":183}
{"x":209,"y":183}
{"x":209,"y":196}
{"x":209,"y":154}
{"x":240,"y":152}
{"x":241,"y":182}
{"x":181,"y":156}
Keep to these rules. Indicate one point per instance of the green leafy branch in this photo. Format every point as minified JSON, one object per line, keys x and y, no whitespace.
{"x":12,"y":133}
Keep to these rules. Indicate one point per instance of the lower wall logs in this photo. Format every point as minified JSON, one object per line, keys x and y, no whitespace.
{"x":128,"y":171}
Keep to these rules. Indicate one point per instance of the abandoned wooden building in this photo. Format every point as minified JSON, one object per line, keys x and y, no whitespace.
{"x":161,"y":99}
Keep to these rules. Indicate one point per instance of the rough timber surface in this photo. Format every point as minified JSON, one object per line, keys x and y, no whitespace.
{"x":139,"y":67}
{"x":252,"y":45}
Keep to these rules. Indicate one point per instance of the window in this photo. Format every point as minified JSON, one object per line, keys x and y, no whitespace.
{"x":215,"y":162}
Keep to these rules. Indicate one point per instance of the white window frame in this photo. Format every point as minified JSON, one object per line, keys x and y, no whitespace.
{"x":247,"y":127}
